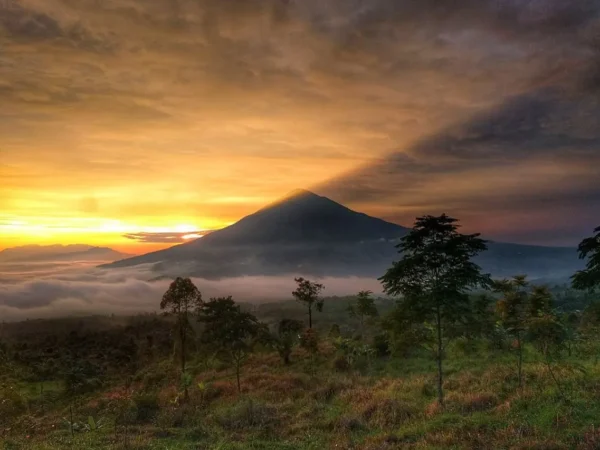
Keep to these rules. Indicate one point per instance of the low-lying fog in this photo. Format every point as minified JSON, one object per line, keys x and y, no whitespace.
{"x":56,"y":289}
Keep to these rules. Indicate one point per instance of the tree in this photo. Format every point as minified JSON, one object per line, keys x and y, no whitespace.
{"x":540,"y":302}
{"x":363,"y":308}
{"x":288,"y":336}
{"x":589,"y":278}
{"x":548,"y":335}
{"x":181,"y":300}
{"x":435,"y":275}
{"x":308,"y":293}
{"x":309,"y":340}
{"x":232,"y":331}
{"x":43,"y":370}
{"x":513,"y":311}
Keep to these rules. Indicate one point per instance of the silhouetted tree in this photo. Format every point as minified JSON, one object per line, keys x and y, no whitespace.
{"x":308,"y":293}
{"x":233,"y":331}
{"x":435,"y":275}
{"x":363,"y":308}
{"x":182,"y":299}
{"x":589,"y":278}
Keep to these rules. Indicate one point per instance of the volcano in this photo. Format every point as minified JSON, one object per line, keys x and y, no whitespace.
{"x":304,"y":233}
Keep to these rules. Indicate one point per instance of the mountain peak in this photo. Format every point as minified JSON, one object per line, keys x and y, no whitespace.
{"x":299,"y":193}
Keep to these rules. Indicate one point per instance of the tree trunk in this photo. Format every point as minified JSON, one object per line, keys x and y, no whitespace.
{"x":520,"y":348}
{"x":182,"y":349}
{"x":237,"y":375}
{"x":71,"y":422}
{"x":558,"y":385}
{"x":439,"y":358}
{"x":286,"y":359}
{"x":310,"y":316}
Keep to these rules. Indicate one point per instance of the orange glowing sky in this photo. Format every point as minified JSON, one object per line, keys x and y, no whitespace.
{"x":164,"y":117}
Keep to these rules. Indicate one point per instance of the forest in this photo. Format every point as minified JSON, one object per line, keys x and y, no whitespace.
{"x":446,"y":357}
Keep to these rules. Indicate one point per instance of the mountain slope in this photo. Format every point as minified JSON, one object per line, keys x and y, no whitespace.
{"x":313,"y":235}
{"x":286,"y":234}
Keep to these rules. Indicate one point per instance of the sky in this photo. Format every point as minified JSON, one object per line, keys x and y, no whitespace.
{"x":139,"y":123}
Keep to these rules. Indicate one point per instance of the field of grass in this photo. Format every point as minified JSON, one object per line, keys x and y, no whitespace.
{"x":388,"y":404}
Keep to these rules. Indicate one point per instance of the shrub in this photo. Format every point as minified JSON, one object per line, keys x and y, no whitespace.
{"x":248,"y":414}
{"x":475,"y":402}
{"x":387,"y":412}
{"x":349,"y":424}
{"x":341,"y":364}
{"x":381,"y":345}
{"x":12,"y":404}
{"x":330,"y":390}
{"x":147,"y":407}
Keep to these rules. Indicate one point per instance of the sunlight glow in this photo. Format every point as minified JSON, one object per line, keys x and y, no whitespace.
{"x":191,"y":236}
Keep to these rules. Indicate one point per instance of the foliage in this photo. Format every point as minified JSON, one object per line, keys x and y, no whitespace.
{"x":435,"y":275}
{"x":363,"y":308}
{"x":308,"y":293}
{"x":81,"y":377}
{"x":146,"y":406}
{"x":513,"y":308}
{"x":589,"y":278}
{"x":181,"y":300}
{"x":232,"y":331}
{"x":354,"y":351}
{"x":287,"y":337}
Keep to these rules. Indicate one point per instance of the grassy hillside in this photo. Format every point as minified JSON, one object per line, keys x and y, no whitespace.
{"x":114,"y":387}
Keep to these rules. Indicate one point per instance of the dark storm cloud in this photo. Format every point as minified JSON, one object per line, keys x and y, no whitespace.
{"x":538,"y":154}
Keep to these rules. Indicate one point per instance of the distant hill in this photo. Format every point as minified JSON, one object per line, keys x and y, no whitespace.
{"x":313,"y":235}
{"x":62,"y":253}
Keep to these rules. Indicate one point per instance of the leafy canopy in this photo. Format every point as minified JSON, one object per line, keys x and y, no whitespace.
{"x":309,"y":293}
{"x":181,"y":297}
{"x":436,"y":271}
{"x":589,"y":278}
{"x":226,"y":325}
{"x":364,"y":306}
{"x":513,"y":307}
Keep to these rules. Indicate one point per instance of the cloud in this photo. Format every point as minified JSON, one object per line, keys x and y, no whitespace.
{"x":202,"y":99}
{"x":128,"y":291}
{"x":166,"y":237}
{"x":506,"y":163}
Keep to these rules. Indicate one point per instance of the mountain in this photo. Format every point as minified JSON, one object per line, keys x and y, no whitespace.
{"x":70,"y":253}
{"x":313,"y":235}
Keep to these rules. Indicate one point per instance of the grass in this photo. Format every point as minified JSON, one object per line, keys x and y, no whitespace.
{"x":298,"y":407}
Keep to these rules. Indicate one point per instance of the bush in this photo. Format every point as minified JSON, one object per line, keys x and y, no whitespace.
{"x":388,"y":413}
{"x":467,"y":403}
{"x":12,"y":404}
{"x":154,"y":379}
{"x":341,"y":364}
{"x":329,"y":391}
{"x":349,"y":424}
{"x":146,"y":406}
{"x":381,"y":345}
{"x":248,"y":414}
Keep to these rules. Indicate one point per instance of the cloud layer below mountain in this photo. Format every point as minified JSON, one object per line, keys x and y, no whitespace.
{"x":58,"y":291}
